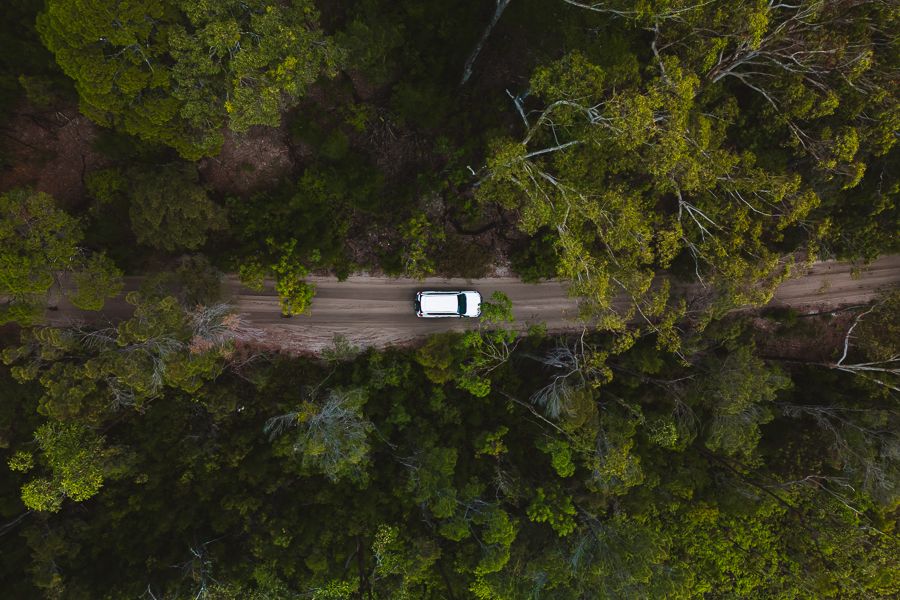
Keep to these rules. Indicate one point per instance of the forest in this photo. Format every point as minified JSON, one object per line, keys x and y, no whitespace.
{"x":671,"y":162}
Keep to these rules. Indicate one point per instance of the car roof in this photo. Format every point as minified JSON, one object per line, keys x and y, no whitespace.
{"x":437,"y":302}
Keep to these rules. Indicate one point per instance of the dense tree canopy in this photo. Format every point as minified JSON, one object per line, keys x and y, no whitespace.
{"x":177,"y":72}
{"x":168,"y":207}
{"x":39,"y":244}
{"x":637,"y":171}
{"x":660,"y":480}
{"x":669,"y":160}
{"x":632,"y":180}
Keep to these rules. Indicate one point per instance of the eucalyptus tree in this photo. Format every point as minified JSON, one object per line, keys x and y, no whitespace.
{"x":825,"y":70}
{"x":86,"y":372}
{"x":77,"y":461}
{"x":332,"y":434}
{"x":168,"y":207}
{"x":874,"y":332}
{"x":39,"y":248}
{"x":635,"y":176}
{"x":177,"y":72}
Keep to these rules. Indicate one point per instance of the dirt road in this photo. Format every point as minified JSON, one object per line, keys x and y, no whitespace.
{"x":378,"y":310}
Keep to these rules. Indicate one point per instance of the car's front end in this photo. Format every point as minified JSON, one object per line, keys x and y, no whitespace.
{"x":473,"y":304}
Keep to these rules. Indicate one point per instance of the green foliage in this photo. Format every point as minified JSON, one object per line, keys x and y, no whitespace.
{"x":39,"y":243}
{"x":538,"y":259}
{"x":21,"y":461}
{"x":492,"y":444}
{"x":409,"y":562}
{"x":738,"y":390}
{"x":656,"y":144}
{"x":332,"y":434}
{"x":560,"y":453}
{"x":498,"y":310}
{"x":42,"y":495}
{"x":168,"y":207}
{"x":307,"y":221}
{"x":176,"y":72}
{"x":420,"y":238}
{"x":488,"y":347}
{"x":99,"y":280}
{"x":335,"y":590}
{"x":37,"y":240}
{"x":498,"y":533}
{"x":106,"y":185}
{"x":370,"y":39}
{"x":170,"y":210}
{"x":294,"y":294}
{"x":438,"y":357}
{"x":613,"y":510}
{"x":880,"y":330}
{"x":193,"y":282}
{"x":75,"y":457}
{"x":613,"y":232}
{"x":26,"y":67}
{"x":86,"y":373}
{"x":860,"y":223}
{"x":554,"y":510}
{"x":614,"y":466}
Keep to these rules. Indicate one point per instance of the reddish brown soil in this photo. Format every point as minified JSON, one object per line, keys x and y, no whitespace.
{"x":364,"y":89}
{"x":817,"y":338}
{"x":398,"y":151}
{"x":51,"y":151}
{"x":249,"y":161}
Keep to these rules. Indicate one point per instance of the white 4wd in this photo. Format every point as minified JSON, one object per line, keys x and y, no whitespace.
{"x":448,"y":304}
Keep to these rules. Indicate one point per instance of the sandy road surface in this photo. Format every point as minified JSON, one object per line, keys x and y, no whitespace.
{"x":379,"y":310}
{"x":831,"y":283}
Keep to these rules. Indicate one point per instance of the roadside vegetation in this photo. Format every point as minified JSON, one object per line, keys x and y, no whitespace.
{"x":687,"y":156}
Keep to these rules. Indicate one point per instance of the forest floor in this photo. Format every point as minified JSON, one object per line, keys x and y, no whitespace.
{"x":50,"y":150}
{"x":248,"y":162}
{"x":378,"y":311}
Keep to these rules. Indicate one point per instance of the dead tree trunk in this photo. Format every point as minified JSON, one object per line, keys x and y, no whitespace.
{"x":467,"y":70}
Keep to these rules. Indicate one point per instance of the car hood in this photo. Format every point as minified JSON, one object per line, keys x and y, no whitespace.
{"x":473,"y":304}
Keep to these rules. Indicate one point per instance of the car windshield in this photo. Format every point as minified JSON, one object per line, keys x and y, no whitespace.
{"x":462,"y":303}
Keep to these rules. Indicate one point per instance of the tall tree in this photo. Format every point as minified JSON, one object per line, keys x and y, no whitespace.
{"x":168,"y":206}
{"x":76,"y":458}
{"x":825,"y":70}
{"x":39,"y":245}
{"x":333,"y":434}
{"x":86,"y":372}
{"x":633,"y":178}
{"x":177,"y":71}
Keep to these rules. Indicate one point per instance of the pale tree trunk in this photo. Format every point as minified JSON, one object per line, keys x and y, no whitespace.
{"x":467,"y":70}
{"x":877,"y":371}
